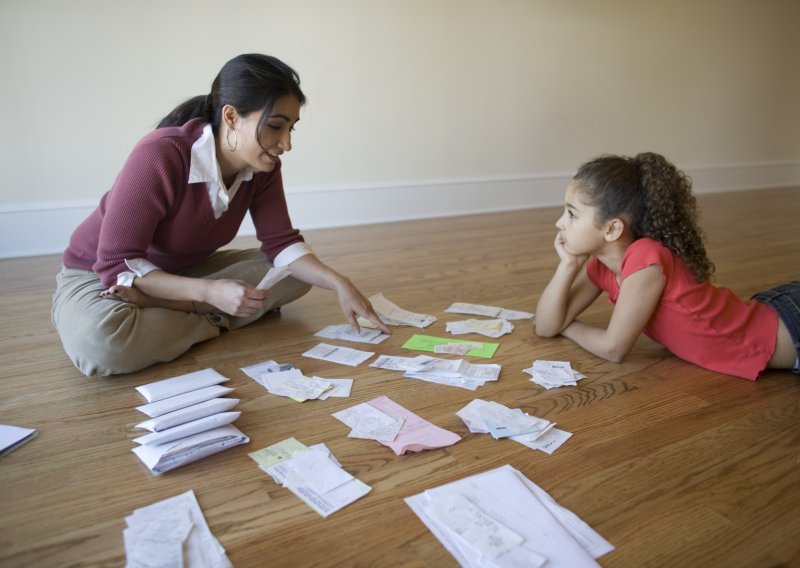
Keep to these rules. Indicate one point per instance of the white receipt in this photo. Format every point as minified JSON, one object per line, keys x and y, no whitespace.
{"x":479,"y":530}
{"x":273,"y":276}
{"x":334,"y":354}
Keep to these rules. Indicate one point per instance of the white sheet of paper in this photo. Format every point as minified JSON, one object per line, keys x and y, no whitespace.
{"x":369,"y":423}
{"x":341,"y":388}
{"x":188,"y":414}
{"x":273,"y":276}
{"x":254,"y":371}
{"x":343,"y":332}
{"x":548,"y":442}
{"x":12,"y":437}
{"x":203,"y":549}
{"x":325,"y":503}
{"x":474,"y":309}
{"x":478,"y":529}
{"x":174,"y":403}
{"x":506,"y":496}
{"x":319,"y":471}
{"x":167,"y":388}
{"x":335,"y":354}
{"x":392,"y":314}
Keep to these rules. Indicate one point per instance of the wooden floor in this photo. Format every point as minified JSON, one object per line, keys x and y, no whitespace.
{"x":674,"y":465}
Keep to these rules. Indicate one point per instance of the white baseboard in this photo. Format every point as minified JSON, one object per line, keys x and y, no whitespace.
{"x":44,"y":228}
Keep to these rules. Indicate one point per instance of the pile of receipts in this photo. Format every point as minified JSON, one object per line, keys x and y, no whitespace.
{"x":311,"y":473}
{"x":553,"y":374}
{"x":394,"y":426}
{"x":286,"y":380}
{"x":488,"y":311}
{"x":392,"y":314}
{"x":490,"y":328}
{"x":486,"y":417}
{"x":451,"y":372}
{"x":500,"y":518}
{"x":172,"y":532}
{"x":343,"y":332}
{"x":188,"y":420}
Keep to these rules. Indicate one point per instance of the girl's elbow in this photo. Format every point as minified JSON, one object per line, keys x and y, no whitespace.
{"x":543,"y":330}
{"x":617,"y":353}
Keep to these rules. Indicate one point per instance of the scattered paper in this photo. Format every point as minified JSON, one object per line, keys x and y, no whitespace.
{"x":255,"y":371}
{"x":335,"y":354}
{"x":12,"y":437}
{"x":343,"y":332}
{"x":488,"y":311}
{"x":487,"y":417}
{"x":391,"y":314}
{"x":340,"y":388}
{"x":316,"y":479}
{"x":553,"y":374}
{"x":454,"y":372}
{"x":369,"y":423}
{"x":490,"y":328}
{"x":457,"y":348}
{"x":172,"y":532}
{"x":477,"y":529}
{"x":544,"y":531}
{"x":273,"y":276}
{"x":293,"y":384}
{"x":415,"y":435}
{"x":428,"y":343}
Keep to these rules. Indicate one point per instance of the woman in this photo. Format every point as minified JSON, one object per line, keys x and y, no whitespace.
{"x":143,"y":279}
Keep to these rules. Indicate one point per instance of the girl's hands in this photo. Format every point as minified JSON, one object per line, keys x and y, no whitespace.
{"x":235,"y":297}
{"x":354,"y":304}
{"x":566,"y":257}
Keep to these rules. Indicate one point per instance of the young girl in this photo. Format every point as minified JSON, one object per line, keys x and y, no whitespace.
{"x":143,"y":279}
{"x":630,"y":229}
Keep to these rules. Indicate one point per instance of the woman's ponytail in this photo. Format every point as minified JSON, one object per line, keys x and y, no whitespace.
{"x":196,"y":107}
{"x":670,"y":212}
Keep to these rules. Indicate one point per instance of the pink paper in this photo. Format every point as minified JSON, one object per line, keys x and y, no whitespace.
{"x":416,"y":434}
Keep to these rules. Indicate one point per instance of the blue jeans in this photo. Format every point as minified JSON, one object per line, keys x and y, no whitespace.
{"x":785,"y":300}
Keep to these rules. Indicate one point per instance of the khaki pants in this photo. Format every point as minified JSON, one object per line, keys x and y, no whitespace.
{"x":110,"y":337}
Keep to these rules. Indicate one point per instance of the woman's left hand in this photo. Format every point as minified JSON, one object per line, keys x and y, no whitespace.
{"x":354,"y":304}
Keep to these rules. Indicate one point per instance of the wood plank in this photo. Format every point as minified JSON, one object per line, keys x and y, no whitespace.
{"x":673,"y":464}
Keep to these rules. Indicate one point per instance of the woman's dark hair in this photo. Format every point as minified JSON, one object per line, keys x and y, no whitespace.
{"x":250,"y":82}
{"x":654,"y":197}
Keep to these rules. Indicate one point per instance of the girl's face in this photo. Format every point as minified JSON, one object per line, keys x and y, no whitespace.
{"x":577,"y":228}
{"x":260,"y":150}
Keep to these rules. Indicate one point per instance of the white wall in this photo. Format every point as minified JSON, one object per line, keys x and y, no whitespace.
{"x":416,"y":107}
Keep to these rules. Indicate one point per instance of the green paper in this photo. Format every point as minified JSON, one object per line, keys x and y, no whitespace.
{"x":426,"y":343}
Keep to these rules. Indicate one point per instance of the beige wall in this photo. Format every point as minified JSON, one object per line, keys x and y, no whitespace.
{"x":433,"y":90}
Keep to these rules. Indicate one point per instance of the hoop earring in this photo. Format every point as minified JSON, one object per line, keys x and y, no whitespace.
{"x":231,"y":147}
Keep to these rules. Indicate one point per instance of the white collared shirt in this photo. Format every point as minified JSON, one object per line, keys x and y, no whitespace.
{"x":204,"y":168}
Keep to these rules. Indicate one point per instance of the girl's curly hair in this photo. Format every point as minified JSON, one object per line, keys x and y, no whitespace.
{"x":654,"y":197}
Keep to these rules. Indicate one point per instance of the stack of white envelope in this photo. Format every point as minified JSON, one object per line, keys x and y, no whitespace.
{"x":501,"y":518}
{"x":172,"y":532}
{"x":553,"y":374}
{"x":188,"y":420}
{"x":486,"y":417}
